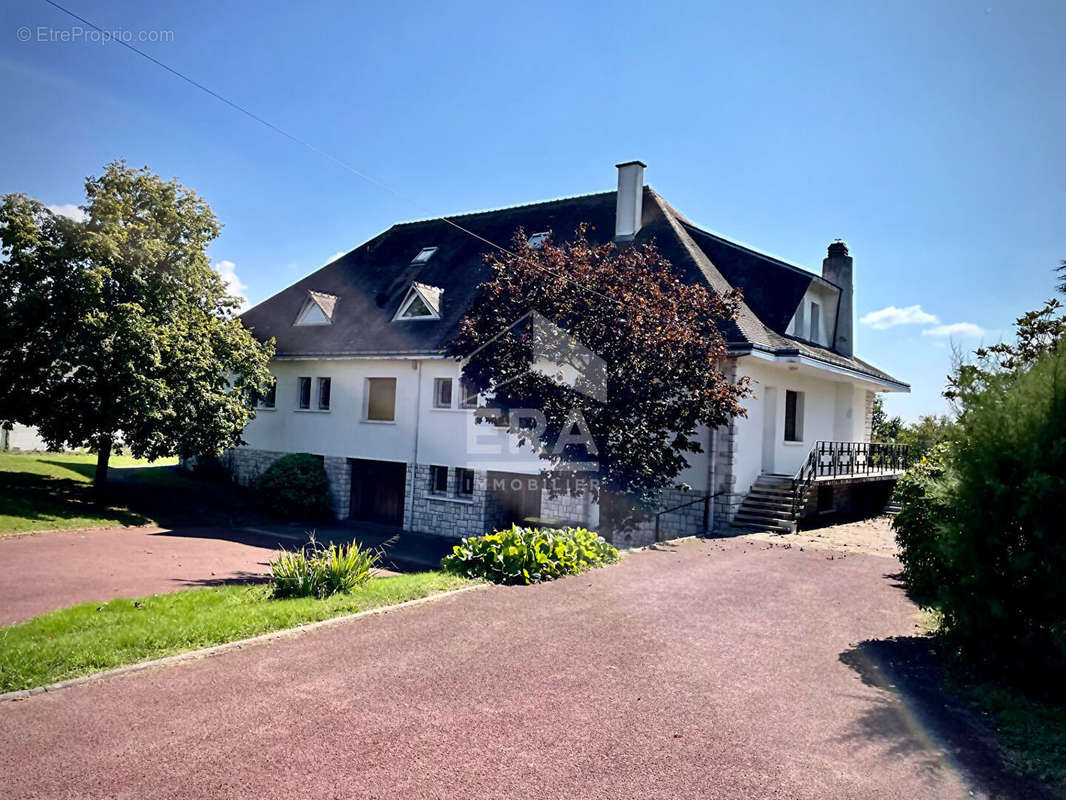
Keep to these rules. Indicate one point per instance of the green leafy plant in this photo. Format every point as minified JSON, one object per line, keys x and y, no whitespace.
{"x":319,"y":571}
{"x":924,"y":509}
{"x":529,"y":555}
{"x":296,"y":487}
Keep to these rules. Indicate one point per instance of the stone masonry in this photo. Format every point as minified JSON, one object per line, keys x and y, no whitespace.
{"x":449,"y":514}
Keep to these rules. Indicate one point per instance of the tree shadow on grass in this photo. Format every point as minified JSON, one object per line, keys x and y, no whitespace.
{"x":916,"y":717}
{"x":43,"y":499}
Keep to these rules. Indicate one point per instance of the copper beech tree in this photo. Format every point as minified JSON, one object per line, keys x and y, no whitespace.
{"x":643,"y":351}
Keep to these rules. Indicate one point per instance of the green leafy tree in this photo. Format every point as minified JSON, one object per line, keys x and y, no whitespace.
{"x":662,"y":363}
{"x":883,"y":427}
{"x":116,"y":329}
{"x":1036,"y":333}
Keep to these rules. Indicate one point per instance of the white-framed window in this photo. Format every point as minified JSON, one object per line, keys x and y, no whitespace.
{"x":422,"y":302}
{"x":424,"y":255}
{"x":381,"y":399}
{"x":324,"y":387}
{"x":793,"y":416}
{"x":442,"y":393}
{"x":467,"y":396}
{"x":464,"y":481}
{"x":269,"y":398}
{"x":537,"y":240}
{"x":303,"y":400}
{"x":438,"y":480}
{"x":816,"y":323}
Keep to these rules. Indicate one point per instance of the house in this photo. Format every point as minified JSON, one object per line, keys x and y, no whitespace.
{"x":361,"y":381}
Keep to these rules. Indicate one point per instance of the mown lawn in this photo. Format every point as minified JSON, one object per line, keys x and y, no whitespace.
{"x":92,"y":637}
{"x":51,"y":491}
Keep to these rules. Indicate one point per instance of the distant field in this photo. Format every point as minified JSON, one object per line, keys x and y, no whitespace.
{"x":51,"y":491}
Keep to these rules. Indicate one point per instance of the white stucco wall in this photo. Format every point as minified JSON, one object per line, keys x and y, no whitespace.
{"x":22,"y":437}
{"x":827,"y":299}
{"x":833,"y":409}
{"x":446,"y":437}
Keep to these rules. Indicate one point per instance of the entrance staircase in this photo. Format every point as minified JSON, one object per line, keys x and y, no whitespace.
{"x":768,"y":506}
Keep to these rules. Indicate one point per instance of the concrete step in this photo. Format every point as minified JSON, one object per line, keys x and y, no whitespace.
{"x":764,"y":519}
{"x":769,"y":495}
{"x":757,"y":528}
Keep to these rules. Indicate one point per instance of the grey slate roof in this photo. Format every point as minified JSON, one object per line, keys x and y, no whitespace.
{"x":372,"y":281}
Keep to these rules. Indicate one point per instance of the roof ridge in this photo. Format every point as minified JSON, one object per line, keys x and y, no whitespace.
{"x":745,"y":317}
{"x":484,"y":211}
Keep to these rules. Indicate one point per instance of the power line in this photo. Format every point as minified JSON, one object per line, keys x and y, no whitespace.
{"x":319,"y":151}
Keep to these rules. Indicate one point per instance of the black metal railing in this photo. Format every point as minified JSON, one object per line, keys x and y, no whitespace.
{"x":846,"y":460}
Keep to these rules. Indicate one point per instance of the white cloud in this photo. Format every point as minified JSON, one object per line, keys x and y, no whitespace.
{"x":335,"y":256}
{"x":234,"y":285}
{"x":956,"y":329}
{"x":68,"y":210}
{"x":891,"y":316}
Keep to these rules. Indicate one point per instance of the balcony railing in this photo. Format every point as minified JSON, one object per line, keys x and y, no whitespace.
{"x":828,"y":460}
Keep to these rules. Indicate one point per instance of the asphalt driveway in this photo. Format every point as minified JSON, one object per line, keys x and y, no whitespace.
{"x":45,"y":571}
{"x":709,"y":669}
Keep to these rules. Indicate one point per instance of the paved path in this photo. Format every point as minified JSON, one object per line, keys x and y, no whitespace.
{"x":707,"y":669}
{"x":42,"y":572}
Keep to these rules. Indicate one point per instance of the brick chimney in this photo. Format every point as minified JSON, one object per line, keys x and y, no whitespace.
{"x":630,"y":203}
{"x":837,"y":268}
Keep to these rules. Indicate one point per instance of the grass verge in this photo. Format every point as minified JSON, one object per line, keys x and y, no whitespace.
{"x":93,"y":637}
{"x":1032,"y":734}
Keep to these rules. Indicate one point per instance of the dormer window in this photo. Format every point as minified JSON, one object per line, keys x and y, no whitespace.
{"x":317,"y":309}
{"x":537,"y":240}
{"x":421,"y":303}
{"x":424,"y":255}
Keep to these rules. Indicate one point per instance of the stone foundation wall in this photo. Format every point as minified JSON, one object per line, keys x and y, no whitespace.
{"x":339,"y":473}
{"x":578,"y":509}
{"x":245,"y":464}
{"x":727,"y":500}
{"x":448,"y":514}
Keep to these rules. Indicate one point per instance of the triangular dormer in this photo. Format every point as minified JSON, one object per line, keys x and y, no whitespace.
{"x":422,"y":302}
{"x":317,"y":309}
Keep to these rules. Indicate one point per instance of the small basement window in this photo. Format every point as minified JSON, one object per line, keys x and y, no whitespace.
{"x":537,"y":240}
{"x":793,"y":416}
{"x":464,"y":481}
{"x":442,"y":393}
{"x":381,"y":399}
{"x":438,"y":480}
{"x":324,"y":386}
{"x":424,"y":255}
{"x":305,"y":392}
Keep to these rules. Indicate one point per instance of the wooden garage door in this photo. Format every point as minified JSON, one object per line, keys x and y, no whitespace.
{"x":378,"y":491}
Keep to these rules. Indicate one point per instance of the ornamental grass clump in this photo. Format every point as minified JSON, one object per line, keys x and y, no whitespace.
{"x":529,"y":555}
{"x":318,"y":571}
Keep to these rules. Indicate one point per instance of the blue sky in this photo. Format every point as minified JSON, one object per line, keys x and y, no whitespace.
{"x":928,"y":135}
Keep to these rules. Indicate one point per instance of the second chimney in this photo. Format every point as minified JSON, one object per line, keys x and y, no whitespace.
{"x":630,"y":204}
{"x":837,"y":268}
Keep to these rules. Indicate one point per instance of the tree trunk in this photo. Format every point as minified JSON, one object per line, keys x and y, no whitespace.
{"x":103,"y":455}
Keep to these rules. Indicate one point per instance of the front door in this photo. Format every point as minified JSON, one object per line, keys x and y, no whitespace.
{"x":769,"y":428}
{"x":378,"y":489}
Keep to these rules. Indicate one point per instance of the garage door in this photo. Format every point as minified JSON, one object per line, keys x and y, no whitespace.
{"x":378,"y":489}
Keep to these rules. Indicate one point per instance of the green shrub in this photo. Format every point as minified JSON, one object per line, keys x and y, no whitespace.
{"x":1005,"y":597}
{"x":529,"y":555}
{"x":925,"y":508}
{"x":317,"y":571}
{"x":296,"y":487}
